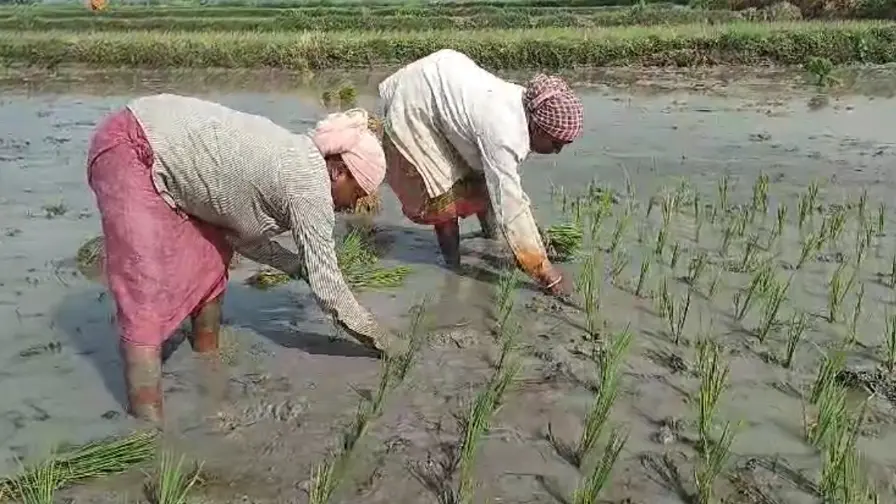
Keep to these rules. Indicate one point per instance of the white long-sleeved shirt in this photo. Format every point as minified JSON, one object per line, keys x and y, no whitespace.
{"x":447,"y":97}
{"x":256,"y":179}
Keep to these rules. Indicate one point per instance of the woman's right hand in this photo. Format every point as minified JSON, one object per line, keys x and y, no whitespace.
{"x":380,"y":340}
{"x":562,"y":286}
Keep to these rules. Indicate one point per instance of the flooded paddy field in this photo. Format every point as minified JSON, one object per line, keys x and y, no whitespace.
{"x":294,"y":385}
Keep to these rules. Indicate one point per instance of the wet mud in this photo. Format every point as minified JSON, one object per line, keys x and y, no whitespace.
{"x":290,"y":383}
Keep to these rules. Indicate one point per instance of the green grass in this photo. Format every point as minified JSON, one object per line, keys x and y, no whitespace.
{"x":373,"y":20}
{"x":685,"y":45}
{"x":225,"y":9}
{"x":37,"y":482}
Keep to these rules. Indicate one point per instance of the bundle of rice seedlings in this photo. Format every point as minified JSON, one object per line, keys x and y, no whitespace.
{"x":357,"y":260}
{"x":267,"y":278}
{"x":108,"y":456}
{"x":358,"y":263}
{"x":90,"y":257}
{"x":173,"y":481}
{"x":562,"y":241}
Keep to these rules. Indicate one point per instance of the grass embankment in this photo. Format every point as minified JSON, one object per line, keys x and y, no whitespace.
{"x":686,"y":45}
{"x":418,"y":21}
{"x":459,"y":9}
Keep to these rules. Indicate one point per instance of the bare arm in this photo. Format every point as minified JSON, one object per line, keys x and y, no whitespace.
{"x":312,"y":225}
{"x":512,"y":212}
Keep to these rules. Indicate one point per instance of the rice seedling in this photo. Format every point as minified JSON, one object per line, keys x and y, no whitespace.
{"x":830,"y":409}
{"x":713,"y":373}
{"x":750,"y":251}
{"x":416,"y":337}
{"x":598,"y":211}
{"x":890,"y":343}
{"x":328,"y":474}
{"x":724,"y":189}
{"x":506,"y":287}
{"x":669,"y":206}
{"x":758,"y":286}
{"x":833,"y":225}
{"x":856,"y":312}
{"x":696,"y":267}
{"x":104,"y":457}
{"x":619,"y":230}
{"x":820,"y":69}
{"x":173,"y":481}
{"x":807,"y":203}
{"x":892,"y":274}
{"x":711,"y":464}
{"x":796,"y":328}
{"x":714,"y":283}
{"x":676,"y":253}
{"x":36,"y":485}
{"x":644,"y":274}
{"x":741,"y":221}
{"x":677,"y":315}
{"x":621,"y":260}
{"x":475,"y":425}
{"x":862,"y":206}
{"x":610,"y":359}
{"x":589,"y":286}
{"x":838,"y":288}
{"x":881,"y":218}
{"x":811,"y":244}
{"x":664,"y":299}
{"x":590,"y":487}
{"x":831,"y":365}
{"x":651,"y":204}
{"x":727,"y":234}
{"x":562,"y":241}
{"x":660,"y":244}
{"x":780,"y":222}
{"x":842,"y":477}
{"x":864,"y":237}
{"x":774,"y":297}
{"x":323,"y":482}
{"x":760,"y":197}
{"x":698,"y":217}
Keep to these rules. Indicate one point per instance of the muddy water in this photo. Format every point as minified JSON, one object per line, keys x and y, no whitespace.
{"x":291,"y":379}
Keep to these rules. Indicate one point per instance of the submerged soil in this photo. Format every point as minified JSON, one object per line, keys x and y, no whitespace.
{"x":293,"y":383}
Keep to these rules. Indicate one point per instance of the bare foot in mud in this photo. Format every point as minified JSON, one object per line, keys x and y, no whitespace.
{"x":213,"y":381}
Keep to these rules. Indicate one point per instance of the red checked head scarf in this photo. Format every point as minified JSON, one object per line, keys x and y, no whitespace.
{"x":553,"y":106}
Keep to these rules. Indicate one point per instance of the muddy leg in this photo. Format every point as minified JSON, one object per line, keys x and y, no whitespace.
{"x":205,"y":340}
{"x":207,"y":327}
{"x":488,"y":223}
{"x":143,"y":379}
{"x":448,"y":234}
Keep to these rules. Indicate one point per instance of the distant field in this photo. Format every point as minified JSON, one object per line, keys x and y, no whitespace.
{"x":384,"y":19}
{"x":685,"y":45}
{"x":138,"y":12}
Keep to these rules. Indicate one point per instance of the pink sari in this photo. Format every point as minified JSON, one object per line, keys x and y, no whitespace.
{"x":161,"y":266}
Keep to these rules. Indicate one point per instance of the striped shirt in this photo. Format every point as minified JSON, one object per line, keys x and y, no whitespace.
{"x":246,"y":174}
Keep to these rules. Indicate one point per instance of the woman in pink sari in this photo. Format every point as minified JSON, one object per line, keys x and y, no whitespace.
{"x":181,"y":182}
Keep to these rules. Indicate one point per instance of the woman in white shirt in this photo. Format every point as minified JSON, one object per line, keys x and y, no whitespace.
{"x":454,"y":138}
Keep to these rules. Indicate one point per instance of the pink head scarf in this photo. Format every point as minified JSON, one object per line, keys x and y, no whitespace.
{"x":346,"y":134}
{"x":554,"y":107}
